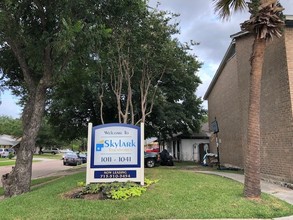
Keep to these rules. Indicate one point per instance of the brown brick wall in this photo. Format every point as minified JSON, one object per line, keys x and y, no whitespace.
{"x":289,"y":56}
{"x":243,"y":51}
{"x":224,"y":105}
{"x":228,"y":101}
{"x":289,"y":53}
{"x":276,"y":118}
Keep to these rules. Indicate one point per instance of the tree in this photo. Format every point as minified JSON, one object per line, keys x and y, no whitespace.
{"x":37,"y":40}
{"x":176,"y":109}
{"x":132,"y":74}
{"x":10,"y":126}
{"x":13,"y":127}
{"x":135,"y":56}
{"x":47,"y":137}
{"x":264,"y":23}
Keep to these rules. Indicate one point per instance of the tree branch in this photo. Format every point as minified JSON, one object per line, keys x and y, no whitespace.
{"x":42,"y":13}
{"x":22,"y":62}
{"x":48,"y":67}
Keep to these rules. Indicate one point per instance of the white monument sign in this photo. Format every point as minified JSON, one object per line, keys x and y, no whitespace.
{"x":115,"y":153}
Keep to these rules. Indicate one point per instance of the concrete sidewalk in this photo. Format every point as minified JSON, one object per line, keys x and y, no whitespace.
{"x":280,"y":192}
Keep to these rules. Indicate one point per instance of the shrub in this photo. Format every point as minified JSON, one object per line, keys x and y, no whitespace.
{"x":81,"y":184}
{"x":115,"y":190}
{"x":10,"y":155}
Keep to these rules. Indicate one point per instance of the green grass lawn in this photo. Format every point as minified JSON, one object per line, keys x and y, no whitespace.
{"x":6,"y":162}
{"x":37,"y":182}
{"x":188,"y":165}
{"x":36,"y":158}
{"x":180,"y":194}
{"x":49,"y":156}
{"x":11,"y":162}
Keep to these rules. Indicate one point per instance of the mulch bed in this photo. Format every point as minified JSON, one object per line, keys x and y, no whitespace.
{"x":76,"y":194}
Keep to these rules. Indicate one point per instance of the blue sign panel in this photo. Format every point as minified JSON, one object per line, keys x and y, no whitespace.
{"x":115,"y":146}
{"x":116,"y":174}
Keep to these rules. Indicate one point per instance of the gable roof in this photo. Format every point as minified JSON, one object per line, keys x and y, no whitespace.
{"x":229,"y":53}
{"x":8,"y":140}
{"x":204,"y":133}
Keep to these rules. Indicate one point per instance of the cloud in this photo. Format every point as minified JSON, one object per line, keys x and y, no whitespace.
{"x":8,"y":106}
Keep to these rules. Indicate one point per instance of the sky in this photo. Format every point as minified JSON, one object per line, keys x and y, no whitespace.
{"x":197,"y":22}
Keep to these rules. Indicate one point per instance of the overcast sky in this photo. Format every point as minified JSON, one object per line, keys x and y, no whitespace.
{"x":197,"y":22}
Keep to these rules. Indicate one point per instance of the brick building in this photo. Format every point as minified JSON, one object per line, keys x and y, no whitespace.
{"x":228,"y":95}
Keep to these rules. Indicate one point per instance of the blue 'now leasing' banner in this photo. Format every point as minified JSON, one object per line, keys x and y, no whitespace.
{"x":109,"y":174}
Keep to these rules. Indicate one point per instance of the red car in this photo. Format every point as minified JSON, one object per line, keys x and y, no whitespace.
{"x":155,"y":150}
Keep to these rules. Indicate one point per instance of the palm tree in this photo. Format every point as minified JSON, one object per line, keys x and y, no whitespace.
{"x":264,"y":23}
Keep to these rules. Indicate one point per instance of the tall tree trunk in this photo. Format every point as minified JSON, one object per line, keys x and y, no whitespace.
{"x":18,"y":180}
{"x":252,"y":187}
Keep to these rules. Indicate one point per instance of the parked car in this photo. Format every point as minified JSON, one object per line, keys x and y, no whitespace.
{"x":71,"y":159}
{"x":50,"y":151}
{"x":156,"y":150}
{"x":63,"y":151}
{"x":83,"y":157}
{"x":151,"y":159}
{"x":4,"y":152}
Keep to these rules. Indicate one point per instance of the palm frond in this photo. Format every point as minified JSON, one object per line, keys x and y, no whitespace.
{"x":267,"y":21}
{"x":224,"y":8}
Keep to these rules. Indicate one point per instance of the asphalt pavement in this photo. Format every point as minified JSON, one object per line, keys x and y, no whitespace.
{"x":43,"y":168}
